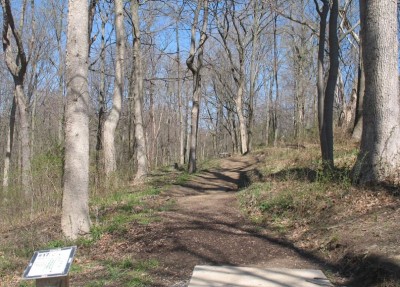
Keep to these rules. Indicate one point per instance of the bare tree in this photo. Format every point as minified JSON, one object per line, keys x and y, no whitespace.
{"x":75,"y":219}
{"x":17,"y":65}
{"x":253,"y":68}
{"x":323,"y":13}
{"x":101,"y":98}
{"x":379,"y":158}
{"x":182,"y":122}
{"x":275,"y":122}
{"x":113,"y":117}
{"x":196,"y":71}
{"x":326,"y":132}
{"x":235,"y":43}
{"x":137,"y":94}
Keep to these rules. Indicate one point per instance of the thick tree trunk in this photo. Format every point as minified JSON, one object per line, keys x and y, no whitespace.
{"x":320,"y":75}
{"x":75,"y":220}
{"x":326,"y":133}
{"x":24,"y":135}
{"x":110,"y":125}
{"x":379,"y":158}
{"x":137,"y":93}
{"x":16,"y":62}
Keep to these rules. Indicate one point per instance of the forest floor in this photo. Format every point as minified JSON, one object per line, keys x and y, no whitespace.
{"x":220,"y":217}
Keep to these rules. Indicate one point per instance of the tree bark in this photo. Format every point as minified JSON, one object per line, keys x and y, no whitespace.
{"x":111,"y":122}
{"x":182,"y":122}
{"x":358,"y":122}
{"x":137,"y":93}
{"x":275,"y":124}
{"x":24,"y":135}
{"x":326,"y":133}
{"x":268,"y":100}
{"x":253,"y":72}
{"x":17,"y":66}
{"x":242,"y":121}
{"x":75,"y":220}
{"x":196,"y":71}
{"x":9,"y":147}
{"x":321,"y":56}
{"x":101,"y":102}
{"x":379,"y":157}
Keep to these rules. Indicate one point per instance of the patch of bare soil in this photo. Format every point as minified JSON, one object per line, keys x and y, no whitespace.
{"x":206,"y":226}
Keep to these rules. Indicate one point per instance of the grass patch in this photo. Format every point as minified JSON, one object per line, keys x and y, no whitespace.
{"x":125,"y":272}
{"x":183,"y":178}
{"x":114,"y":213}
{"x":296,"y":188}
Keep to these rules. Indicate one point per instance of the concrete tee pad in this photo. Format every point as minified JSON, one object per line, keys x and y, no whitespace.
{"x":232,"y":276}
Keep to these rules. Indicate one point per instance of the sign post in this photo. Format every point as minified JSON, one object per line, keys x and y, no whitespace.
{"x":50,"y":268}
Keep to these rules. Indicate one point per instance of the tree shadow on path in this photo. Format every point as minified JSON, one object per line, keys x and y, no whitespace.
{"x":208,"y":228}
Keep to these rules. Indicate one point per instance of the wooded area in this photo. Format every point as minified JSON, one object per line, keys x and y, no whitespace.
{"x":96,"y":92}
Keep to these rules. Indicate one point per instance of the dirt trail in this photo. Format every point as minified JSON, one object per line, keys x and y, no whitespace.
{"x":207,"y":227}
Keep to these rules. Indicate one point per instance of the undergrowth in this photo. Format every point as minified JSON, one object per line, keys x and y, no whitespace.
{"x":123,"y":272}
{"x":295,"y":187}
{"x":323,"y":214}
{"x":113,"y":211}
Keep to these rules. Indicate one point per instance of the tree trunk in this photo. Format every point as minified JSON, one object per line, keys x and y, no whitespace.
{"x":102,"y":103}
{"x":16,"y":62}
{"x":194,"y":128}
{"x":379,"y":157}
{"x":137,"y":93}
{"x":154,"y":136}
{"x":350,"y":110}
{"x":358,"y":122}
{"x":9,"y":147}
{"x":268,"y":101}
{"x":182,"y":123}
{"x":276,"y":102}
{"x":24,"y":135}
{"x":242,"y":121}
{"x":196,"y":71}
{"x":110,"y":125}
{"x":327,"y":124}
{"x":320,"y":76}
{"x":253,"y":73}
{"x":75,"y":220}
{"x":60,"y":74}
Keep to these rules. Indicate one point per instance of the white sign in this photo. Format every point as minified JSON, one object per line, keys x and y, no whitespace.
{"x":50,"y":263}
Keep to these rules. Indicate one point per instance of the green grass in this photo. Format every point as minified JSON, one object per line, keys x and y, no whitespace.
{"x":183,"y":178}
{"x":296,"y":187}
{"x":125,"y":272}
{"x":114,"y":213}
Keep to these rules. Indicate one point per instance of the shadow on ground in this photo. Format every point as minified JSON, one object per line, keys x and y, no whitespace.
{"x":218,"y":240}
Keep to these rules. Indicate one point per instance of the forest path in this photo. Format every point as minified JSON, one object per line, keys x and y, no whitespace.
{"x":206,"y":227}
